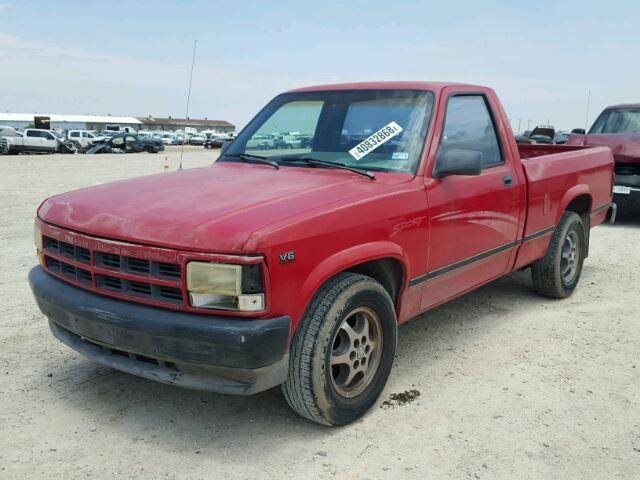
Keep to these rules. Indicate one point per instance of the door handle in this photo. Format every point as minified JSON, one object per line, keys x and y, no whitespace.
{"x":507,"y":180}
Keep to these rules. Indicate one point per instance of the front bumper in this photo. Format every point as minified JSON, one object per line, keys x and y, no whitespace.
{"x":631,"y":182}
{"x":203,"y":352}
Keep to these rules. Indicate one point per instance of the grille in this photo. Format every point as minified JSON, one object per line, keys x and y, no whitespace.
{"x":67,"y":270}
{"x":139,"y":289}
{"x":627,"y":168}
{"x":65,"y":249}
{"x":57,"y":251}
{"x":138,"y":266}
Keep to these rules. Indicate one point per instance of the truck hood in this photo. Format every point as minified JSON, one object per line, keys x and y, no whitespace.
{"x":212,"y":209}
{"x":625,"y":146}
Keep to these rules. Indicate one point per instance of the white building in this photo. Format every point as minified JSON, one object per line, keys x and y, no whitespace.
{"x":69,"y":122}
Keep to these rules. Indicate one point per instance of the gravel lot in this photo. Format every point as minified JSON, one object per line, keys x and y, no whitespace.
{"x":511,"y":385}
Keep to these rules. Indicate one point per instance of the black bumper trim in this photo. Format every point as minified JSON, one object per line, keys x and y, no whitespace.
{"x":236,"y":381}
{"x":182,"y":338}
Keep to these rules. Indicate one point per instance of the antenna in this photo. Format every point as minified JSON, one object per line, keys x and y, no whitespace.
{"x":586,"y":120}
{"x":186,"y":115}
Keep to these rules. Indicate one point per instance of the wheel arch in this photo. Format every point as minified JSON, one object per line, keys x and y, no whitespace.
{"x":577,"y":199}
{"x":580,"y":201}
{"x":385,"y":262}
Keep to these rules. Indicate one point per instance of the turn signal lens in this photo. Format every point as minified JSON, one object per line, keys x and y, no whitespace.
{"x":37,"y":236}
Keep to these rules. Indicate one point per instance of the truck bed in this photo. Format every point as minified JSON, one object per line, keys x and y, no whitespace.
{"x":555,"y":175}
{"x":532,"y":150}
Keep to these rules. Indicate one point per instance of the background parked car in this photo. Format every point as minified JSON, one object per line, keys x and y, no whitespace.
{"x":261,"y":141}
{"x":167,"y":138}
{"x":34,"y":140}
{"x":541,"y":134}
{"x":618,"y":127}
{"x":197,"y":139}
{"x":216,"y":140}
{"x":84,"y":138}
{"x":177,"y":140}
{"x":127,"y":143}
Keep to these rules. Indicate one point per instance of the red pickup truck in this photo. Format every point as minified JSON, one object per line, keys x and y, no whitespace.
{"x":294,"y":263}
{"x":618,"y":127}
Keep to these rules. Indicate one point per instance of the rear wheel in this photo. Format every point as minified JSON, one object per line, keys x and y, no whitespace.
{"x":557,"y":274}
{"x":343,"y":351}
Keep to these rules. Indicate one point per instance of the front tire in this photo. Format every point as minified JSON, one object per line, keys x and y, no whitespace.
{"x":343,"y":351}
{"x":557,"y":274}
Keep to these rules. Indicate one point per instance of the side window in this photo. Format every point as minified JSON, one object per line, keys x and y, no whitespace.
{"x":33,"y":133}
{"x":49,"y":136}
{"x":469,"y":126}
{"x":75,"y":134}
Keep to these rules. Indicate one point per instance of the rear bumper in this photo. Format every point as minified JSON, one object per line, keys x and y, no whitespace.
{"x":203,"y":352}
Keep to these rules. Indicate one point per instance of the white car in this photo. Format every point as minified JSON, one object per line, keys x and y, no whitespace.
{"x":34,"y":140}
{"x":85,"y":138}
{"x":167,"y":138}
{"x":261,"y":141}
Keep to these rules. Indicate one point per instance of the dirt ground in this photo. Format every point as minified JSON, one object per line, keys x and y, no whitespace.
{"x":499,"y":384}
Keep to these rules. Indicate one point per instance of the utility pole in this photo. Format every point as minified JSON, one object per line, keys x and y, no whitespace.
{"x":519,"y":123}
{"x":528,"y":124}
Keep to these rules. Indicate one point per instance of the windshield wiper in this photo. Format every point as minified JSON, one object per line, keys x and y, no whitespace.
{"x":248,"y":157}
{"x":341,"y":166}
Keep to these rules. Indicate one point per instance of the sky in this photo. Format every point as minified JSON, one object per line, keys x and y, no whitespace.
{"x":133,"y":58}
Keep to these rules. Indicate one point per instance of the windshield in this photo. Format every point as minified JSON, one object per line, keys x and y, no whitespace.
{"x":379,"y":130}
{"x":617,"y":120}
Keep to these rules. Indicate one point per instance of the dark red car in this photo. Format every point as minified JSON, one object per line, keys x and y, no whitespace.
{"x":618,"y":127}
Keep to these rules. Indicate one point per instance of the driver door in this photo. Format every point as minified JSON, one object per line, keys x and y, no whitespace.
{"x":474,"y":219}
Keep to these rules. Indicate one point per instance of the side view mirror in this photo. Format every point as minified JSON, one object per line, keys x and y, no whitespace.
{"x":458,"y":161}
{"x":578,"y":130}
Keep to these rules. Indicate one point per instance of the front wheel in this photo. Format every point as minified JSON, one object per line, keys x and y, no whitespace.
{"x":343,"y":351}
{"x":556,"y":274}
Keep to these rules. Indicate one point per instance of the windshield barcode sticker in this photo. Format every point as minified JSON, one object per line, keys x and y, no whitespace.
{"x":368,"y":145}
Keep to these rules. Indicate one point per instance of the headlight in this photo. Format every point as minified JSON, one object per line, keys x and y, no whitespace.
{"x":37,"y":236}
{"x":225,"y":286}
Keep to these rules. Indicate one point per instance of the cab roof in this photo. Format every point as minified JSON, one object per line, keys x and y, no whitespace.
{"x":625,"y":105}
{"x":435,"y":87}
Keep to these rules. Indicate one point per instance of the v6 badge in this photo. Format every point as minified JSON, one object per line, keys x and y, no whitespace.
{"x":287,"y":257}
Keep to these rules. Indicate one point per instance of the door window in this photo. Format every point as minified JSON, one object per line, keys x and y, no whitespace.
{"x":33,"y":133}
{"x":469,"y":126}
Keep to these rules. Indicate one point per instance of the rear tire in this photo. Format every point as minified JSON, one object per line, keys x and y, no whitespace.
{"x":342,"y":352}
{"x":557,"y":274}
